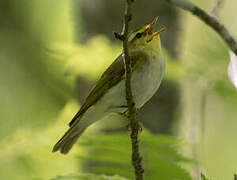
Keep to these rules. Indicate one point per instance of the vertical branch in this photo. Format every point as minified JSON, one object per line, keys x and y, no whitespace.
{"x":136,"y":157}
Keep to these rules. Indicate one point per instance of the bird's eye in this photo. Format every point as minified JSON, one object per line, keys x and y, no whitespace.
{"x":138,"y":35}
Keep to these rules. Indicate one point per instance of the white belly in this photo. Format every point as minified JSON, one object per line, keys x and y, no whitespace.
{"x":146,"y":83}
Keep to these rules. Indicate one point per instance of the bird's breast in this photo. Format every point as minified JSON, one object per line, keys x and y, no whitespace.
{"x":146,"y":80}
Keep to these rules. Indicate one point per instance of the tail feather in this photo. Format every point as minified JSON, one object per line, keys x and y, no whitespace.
{"x":65,"y":144}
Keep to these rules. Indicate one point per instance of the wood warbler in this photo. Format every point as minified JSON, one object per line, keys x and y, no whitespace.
{"x":108,"y":95}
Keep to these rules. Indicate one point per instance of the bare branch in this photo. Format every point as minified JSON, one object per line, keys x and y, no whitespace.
{"x":209,"y":20}
{"x":136,"y":157}
{"x":215,"y":7}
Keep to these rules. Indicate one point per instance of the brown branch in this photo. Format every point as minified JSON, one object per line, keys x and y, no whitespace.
{"x":136,"y":157}
{"x":209,"y":20}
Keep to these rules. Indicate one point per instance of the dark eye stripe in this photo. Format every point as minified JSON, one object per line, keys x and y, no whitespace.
{"x":138,"y":35}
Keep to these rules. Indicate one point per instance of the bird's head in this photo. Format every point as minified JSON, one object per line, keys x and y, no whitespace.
{"x":145,"y":37}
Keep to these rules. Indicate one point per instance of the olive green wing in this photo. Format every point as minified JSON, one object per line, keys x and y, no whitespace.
{"x":112,"y":76}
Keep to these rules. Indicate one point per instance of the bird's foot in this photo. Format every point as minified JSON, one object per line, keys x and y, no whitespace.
{"x":125,"y":113}
{"x":138,"y":126}
{"x":122,"y":106}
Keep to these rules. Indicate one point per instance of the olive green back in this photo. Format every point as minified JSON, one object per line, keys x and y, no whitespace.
{"x":112,"y":76}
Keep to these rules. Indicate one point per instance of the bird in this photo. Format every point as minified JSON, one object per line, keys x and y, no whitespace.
{"x":109,"y":96}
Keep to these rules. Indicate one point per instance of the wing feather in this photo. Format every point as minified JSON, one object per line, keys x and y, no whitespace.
{"x":112,"y":76}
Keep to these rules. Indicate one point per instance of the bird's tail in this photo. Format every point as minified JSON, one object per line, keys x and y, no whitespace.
{"x":69,"y":139}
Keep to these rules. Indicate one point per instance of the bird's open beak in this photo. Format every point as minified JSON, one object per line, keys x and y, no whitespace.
{"x":151,"y":28}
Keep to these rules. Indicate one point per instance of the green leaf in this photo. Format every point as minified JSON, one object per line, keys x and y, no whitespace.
{"x":203,"y":177}
{"x":88,"y":176}
{"x":111,"y":154}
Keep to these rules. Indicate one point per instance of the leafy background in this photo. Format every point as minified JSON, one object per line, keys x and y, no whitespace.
{"x":45,"y":48}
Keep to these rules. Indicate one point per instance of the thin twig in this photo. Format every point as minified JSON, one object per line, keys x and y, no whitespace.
{"x":136,"y":157}
{"x":209,"y":20}
{"x":215,"y":7}
{"x":203,"y":103}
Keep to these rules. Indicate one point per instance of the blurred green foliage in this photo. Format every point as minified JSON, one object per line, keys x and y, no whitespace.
{"x":203,"y":177}
{"x":34,"y":87}
{"x":110,"y":154}
{"x":39,"y":64}
{"x":88,"y":176}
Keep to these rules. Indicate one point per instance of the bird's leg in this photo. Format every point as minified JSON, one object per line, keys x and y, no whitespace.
{"x":138,"y":126}
{"x":125,"y":114}
{"x":122,"y":106}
